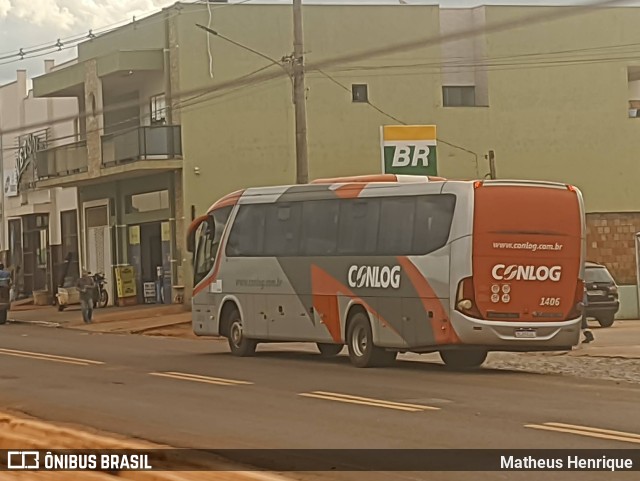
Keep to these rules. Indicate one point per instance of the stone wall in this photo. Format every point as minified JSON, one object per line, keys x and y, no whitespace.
{"x":611,"y":241}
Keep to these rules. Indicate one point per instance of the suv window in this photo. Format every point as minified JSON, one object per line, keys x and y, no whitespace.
{"x":598,"y":274}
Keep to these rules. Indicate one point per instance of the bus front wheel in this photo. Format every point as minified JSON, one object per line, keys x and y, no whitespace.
{"x":463,"y":359}
{"x":239,"y":345}
{"x":362,"y":351}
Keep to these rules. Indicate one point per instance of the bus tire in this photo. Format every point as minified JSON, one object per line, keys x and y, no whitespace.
{"x":3,"y":316}
{"x":463,"y":359}
{"x":329,"y":350}
{"x":362,"y":351}
{"x":239,"y":345}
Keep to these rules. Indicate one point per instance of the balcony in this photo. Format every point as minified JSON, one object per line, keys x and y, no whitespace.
{"x":151,"y":143}
{"x":60,"y":161}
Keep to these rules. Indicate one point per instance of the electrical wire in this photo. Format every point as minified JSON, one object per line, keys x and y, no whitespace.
{"x":183,"y":107}
{"x":53,"y":47}
{"x":402,"y":122}
{"x":209,"y":42}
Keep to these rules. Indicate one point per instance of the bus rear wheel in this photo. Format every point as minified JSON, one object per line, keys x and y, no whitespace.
{"x":362,"y":351}
{"x":239,"y":345}
{"x":329,"y":350}
{"x":463,"y":359}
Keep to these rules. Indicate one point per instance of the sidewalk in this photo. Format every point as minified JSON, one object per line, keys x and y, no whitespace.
{"x":622,"y":340}
{"x":136,"y":319}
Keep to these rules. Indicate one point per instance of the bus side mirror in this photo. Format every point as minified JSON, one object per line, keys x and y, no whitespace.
{"x":191,"y":233}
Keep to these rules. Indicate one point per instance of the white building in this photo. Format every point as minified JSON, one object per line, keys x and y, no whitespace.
{"x":39,"y":227}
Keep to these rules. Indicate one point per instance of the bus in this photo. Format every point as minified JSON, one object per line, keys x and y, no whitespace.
{"x":392,"y":264}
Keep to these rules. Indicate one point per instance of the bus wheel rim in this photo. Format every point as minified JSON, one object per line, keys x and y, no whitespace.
{"x":359,"y":341}
{"x":236,"y":333}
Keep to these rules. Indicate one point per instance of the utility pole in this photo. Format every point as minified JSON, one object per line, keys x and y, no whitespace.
{"x":299,"y":96}
{"x":492,"y":164}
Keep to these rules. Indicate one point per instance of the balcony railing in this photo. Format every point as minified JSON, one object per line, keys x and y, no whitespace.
{"x":63,"y":160}
{"x":153,"y":142}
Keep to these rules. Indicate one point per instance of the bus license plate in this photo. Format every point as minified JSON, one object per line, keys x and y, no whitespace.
{"x":526,"y":333}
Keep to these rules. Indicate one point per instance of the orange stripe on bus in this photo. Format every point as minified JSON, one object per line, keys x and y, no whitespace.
{"x":227,"y":200}
{"x":349,"y":191}
{"x":443,"y":331}
{"x":324,"y":284}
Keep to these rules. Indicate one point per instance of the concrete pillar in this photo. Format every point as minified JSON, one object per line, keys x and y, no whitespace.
{"x":183,"y":258}
{"x":94,"y":119}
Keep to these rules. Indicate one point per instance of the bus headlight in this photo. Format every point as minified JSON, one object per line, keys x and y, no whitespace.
{"x":465,"y":305}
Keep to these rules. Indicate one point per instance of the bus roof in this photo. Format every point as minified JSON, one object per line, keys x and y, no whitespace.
{"x":358,"y":182}
{"x":227,"y":200}
{"x":378,"y":178}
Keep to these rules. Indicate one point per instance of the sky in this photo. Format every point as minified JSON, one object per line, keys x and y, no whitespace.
{"x":26,"y":23}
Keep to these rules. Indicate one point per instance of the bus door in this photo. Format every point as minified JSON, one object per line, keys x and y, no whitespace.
{"x":206,"y":292}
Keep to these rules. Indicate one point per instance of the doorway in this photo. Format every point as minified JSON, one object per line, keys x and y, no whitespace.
{"x":98,"y":255}
{"x":151,"y":252}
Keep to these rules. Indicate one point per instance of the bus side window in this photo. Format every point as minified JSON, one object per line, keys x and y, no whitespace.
{"x":397,"y":220}
{"x":319,"y":236}
{"x":434,"y":215}
{"x":220,"y":218}
{"x":210,"y":235}
{"x":282,"y":237}
{"x":246,"y":238}
{"x":358,"y":226}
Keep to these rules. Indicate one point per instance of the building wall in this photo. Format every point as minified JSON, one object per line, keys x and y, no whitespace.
{"x":567,"y":122}
{"x":246,"y":136}
{"x":19,"y":111}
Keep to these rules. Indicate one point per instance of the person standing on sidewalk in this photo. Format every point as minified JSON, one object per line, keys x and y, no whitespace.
{"x":87,"y":288}
{"x":588,"y":335}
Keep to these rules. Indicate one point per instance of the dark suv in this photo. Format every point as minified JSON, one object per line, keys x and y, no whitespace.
{"x":602,"y":294}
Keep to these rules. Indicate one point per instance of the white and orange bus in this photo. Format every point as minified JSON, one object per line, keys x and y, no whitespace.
{"x":388,"y":264}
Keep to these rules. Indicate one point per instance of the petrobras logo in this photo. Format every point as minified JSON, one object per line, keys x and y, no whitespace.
{"x":374,"y":276}
{"x":501,"y":272}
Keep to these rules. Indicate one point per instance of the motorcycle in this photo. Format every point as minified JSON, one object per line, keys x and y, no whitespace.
{"x":102,"y":297}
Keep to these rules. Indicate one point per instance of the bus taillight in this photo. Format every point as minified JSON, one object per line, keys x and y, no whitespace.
{"x":466,"y":298}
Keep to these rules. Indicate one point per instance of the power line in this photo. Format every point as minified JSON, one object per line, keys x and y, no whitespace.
{"x":402,"y":122}
{"x":327,"y":64}
{"x":54,"y":46}
{"x":183,"y":106}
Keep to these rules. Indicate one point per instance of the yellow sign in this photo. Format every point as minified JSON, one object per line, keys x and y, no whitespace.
{"x":134,"y":235}
{"x":126,"y":281}
{"x":166,"y":232}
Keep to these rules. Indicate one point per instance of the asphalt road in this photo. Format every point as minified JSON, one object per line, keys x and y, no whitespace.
{"x":288,"y":397}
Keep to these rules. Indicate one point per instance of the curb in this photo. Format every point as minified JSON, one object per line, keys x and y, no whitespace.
{"x":37,"y":323}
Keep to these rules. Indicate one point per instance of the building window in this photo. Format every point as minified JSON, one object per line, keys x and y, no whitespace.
{"x":456,"y":96}
{"x":360,"y":93}
{"x":158,"y":110}
{"x":96,"y":216}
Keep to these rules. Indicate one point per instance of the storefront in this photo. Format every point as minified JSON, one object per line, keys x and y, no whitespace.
{"x":131,"y":223}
